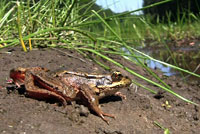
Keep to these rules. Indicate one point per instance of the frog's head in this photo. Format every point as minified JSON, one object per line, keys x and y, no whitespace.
{"x":18,"y":75}
{"x":120,"y":80}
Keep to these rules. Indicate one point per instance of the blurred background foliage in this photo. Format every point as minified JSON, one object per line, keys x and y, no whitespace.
{"x":174,"y":9}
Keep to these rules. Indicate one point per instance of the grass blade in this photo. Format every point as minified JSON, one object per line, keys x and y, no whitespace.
{"x":138,"y":75}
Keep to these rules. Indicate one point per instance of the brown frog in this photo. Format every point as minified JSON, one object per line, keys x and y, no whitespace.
{"x":69,"y":86}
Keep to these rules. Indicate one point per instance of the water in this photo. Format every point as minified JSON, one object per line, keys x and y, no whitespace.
{"x":168,"y":71}
{"x":186,"y":58}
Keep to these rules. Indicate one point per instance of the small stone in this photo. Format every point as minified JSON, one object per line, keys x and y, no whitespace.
{"x":83,"y":111}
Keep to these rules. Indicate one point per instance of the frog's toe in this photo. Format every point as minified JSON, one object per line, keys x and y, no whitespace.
{"x":123,"y":97}
{"x":109,"y":115}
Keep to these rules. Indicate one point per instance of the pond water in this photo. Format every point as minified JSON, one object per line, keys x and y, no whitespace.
{"x":186,"y":57}
{"x":168,"y":71}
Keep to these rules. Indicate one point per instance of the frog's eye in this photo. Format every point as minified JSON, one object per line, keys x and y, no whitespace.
{"x":20,"y":70}
{"x":116,"y":76}
{"x":45,"y":69}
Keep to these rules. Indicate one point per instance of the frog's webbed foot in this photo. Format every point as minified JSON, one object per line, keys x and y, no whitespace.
{"x":123,"y":97}
{"x":88,"y":95}
{"x":36,"y":92}
{"x":102,"y":114}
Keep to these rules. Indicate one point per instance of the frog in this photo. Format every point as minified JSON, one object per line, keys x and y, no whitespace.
{"x":68,"y":86}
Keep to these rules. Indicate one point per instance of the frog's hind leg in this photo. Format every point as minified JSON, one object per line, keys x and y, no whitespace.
{"x":36,"y":92}
{"x":93,"y":102}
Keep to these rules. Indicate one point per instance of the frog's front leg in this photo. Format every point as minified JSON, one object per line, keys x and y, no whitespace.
{"x":122,"y":96}
{"x":40,"y":93}
{"x":93,"y":102}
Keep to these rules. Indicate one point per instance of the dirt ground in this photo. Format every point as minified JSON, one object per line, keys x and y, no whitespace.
{"x":135,"y":115}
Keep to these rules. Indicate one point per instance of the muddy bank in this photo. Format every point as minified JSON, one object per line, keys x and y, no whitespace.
{"x":135,"y":115}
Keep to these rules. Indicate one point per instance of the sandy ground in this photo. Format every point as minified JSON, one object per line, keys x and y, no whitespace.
{"x":135,"y":115}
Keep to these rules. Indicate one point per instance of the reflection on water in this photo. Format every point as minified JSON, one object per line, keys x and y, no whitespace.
{"x":168,"y":71}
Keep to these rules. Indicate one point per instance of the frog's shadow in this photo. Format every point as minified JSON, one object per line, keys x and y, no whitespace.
{"x":20,"y":90}
{"x":111,"y":98}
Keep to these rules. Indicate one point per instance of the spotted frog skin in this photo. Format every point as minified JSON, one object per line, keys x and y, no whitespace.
{"x":67,"y":86}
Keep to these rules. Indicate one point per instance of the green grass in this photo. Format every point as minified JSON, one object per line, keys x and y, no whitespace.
{"x":166,"y":130}
{"x":72,"y":23}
